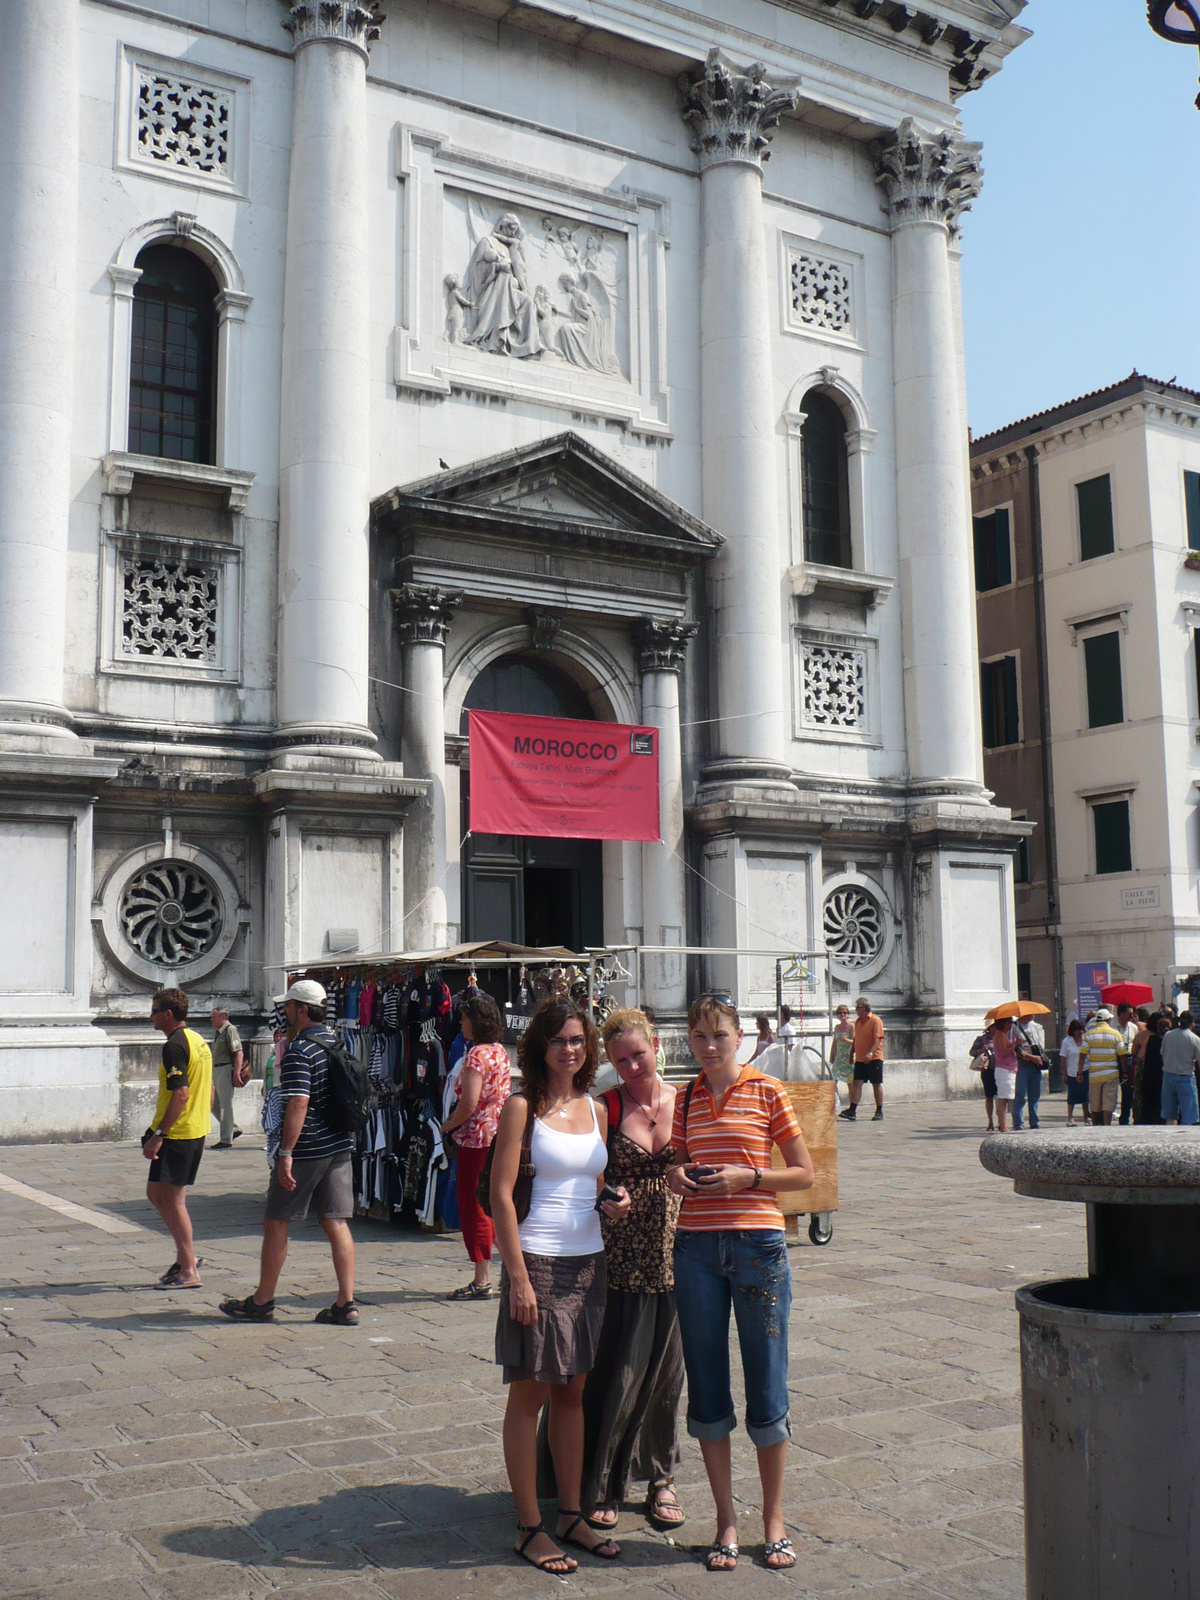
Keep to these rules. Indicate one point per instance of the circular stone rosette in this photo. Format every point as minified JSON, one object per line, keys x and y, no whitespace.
{"x":170,"y":919}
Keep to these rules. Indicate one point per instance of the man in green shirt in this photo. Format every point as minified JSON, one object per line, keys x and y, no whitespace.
{"x":227,"y":1060}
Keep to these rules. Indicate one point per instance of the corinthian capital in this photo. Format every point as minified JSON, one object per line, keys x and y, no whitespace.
{"x":424,"y":613}
{"x":342,"y":20}
{"x":927,"y":177}
{"x":662,"y":646}
{"x":733,"y":111}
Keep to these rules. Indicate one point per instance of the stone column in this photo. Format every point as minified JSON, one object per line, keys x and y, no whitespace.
{"x":423,"y":617}
{"x":39,"y":162}
{"x":928,"y":180}
{"x":732,"y":111}
{"x":324,"y":420}
{"x":662,"y":647}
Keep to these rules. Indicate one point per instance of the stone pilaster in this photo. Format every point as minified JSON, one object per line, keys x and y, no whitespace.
{"x":732,"y":111}
{"x":661,"y":651}
{"x":324,"y":421}
{"x":423,"y":614}
{"x":928,"y":180}
{"x":39,"y":167}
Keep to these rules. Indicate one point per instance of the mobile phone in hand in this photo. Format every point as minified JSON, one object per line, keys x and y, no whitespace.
{"x":696,"y":1173}
{"x":607,"y":1193}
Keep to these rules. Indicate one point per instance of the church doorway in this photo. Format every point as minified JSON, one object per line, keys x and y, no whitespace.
{"x":526,"y":890}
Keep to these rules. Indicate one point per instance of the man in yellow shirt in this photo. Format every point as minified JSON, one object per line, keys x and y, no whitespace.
{"x":1107,"y":1054}
{"x":174,"y":1141}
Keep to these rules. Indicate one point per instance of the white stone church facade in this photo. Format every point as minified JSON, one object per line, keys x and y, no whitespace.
{"x":361,"y":365}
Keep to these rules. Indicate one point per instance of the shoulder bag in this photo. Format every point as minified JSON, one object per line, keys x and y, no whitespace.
{"x":522,"y":1188}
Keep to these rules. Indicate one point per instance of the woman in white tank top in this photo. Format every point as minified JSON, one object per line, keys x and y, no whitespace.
{"x":552,"y":1288}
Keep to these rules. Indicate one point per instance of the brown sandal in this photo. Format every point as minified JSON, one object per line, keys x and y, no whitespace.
{"x":558,"y":1566}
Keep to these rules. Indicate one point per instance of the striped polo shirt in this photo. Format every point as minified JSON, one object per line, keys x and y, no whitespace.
{"x":739,"y":1132}
{"x":1104,"y":1045}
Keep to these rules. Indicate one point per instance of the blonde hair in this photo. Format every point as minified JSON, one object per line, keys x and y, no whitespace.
{"x":627,"y":1020}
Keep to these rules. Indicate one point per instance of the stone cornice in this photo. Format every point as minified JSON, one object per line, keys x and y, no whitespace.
{"x":1145,"y":408}
{"x":733,"y":111}
{"x":341,"y":21}
{"x":927,"y":177}
{"x":662,"y":646}
{"x":424,"y":613}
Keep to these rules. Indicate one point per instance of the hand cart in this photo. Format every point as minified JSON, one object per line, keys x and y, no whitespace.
{"x":815,"y":1105}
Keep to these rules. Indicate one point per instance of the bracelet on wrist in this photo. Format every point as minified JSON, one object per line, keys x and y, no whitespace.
{"x":757,"y":1178}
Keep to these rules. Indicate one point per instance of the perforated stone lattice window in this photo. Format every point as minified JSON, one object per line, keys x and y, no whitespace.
{"x":833,"y":688}
{"x":854,"y":926}
{"x":183,"y":125}
{"x":820,"y":292}
{"x":170,"y":913}
{"x":169,"y":609}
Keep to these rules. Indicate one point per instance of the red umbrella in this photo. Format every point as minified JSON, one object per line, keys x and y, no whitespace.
{"x":1127,"y":994}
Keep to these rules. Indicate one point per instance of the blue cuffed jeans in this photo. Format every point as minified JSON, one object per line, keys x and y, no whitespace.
{"x":748,"y":1271}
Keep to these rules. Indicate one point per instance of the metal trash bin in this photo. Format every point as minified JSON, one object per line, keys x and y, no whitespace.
{"x":1110,"y":1367}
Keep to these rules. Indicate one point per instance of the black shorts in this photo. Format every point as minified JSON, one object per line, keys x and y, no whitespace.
{"x":868,"y":1072}
{"x":177,"y":1162}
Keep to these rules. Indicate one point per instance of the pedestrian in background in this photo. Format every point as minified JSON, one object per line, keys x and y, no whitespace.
{"x":483,"y":1086}
{"x":1180,"y":1054}
{"x":1147,"y":1095}
{"x":272,"y":1098}
{"x":312,"y":1167}
{"x":1004,"y":1057}
{"x":731,"y":1254}
{"x":983,"y":1061}
{"x":868,"y":1060}
{"x":175,"y":1140}
{"x":766,"y":1035}
{"x":228,"y":1059}
{"x":1105,"y":1051}
{"x":1073,"y":1054}
{"x":1127,"y":1027}
{"x":841,"y":1053}
{"x":1029,"y":1043}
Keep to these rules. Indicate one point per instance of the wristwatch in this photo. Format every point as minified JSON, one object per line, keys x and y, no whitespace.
{"x":284,"y":1152}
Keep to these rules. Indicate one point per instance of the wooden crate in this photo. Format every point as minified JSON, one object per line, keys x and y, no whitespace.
{"x":815,"y":1105}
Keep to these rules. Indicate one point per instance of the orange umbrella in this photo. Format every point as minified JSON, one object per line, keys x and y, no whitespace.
{"x":1018,"y":1009}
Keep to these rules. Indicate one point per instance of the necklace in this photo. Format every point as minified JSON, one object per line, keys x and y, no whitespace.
{"x":650,"y":1120}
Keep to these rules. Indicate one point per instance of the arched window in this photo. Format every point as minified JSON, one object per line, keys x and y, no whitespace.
{"x":517,"y":683}
{"x":172,"y":384}
{"x":826,"y":482}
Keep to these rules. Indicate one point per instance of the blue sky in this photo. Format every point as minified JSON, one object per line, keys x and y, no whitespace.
{"x":1082,"y":254}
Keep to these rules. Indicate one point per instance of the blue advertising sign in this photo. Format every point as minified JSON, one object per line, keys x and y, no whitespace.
{"x":1090,"y":978}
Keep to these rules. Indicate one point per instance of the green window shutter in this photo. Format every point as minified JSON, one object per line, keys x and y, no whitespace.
{"x":987,"y":705}
{"x":1012,"y":714}
{"x":1191,"y":494}
{"x":1110,"y":825}
{"x":998,"y":702}
{"x":1004,"y":573}
{"x":1095,"y":518}
{"x":1102,"y":668}
{"x":993,"y":550}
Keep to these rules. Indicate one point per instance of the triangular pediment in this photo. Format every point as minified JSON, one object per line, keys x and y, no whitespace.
{"x":562,"y":482}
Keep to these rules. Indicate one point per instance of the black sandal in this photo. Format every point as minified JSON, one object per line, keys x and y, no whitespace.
{"x":607,"y":1549}
{"x":716,"y":1552}
{"x":780,"y":1547}
{"x":248,"y":1310}
{"x":345,"y":1316}
{"x":558,"y":1566}
{"x":472,"y":1291}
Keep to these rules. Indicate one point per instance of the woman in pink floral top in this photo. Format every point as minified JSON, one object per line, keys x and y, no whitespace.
{"x":484,"y":1086}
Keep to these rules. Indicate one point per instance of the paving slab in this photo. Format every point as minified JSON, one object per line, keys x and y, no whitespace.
{"x":151,"y":1448}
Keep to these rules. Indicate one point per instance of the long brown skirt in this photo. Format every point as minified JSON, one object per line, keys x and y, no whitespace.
{"x":562,"y":1343}
{"x":630,"y":1402}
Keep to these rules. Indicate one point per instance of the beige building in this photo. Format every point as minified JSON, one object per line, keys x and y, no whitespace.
{"x":1087,"y":552}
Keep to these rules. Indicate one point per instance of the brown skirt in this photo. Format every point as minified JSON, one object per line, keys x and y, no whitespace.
{"x":562,"y":1343}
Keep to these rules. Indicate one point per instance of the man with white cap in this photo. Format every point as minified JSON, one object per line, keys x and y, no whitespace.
{"x":1106,"y":1051}
{"x":313,"y":1166}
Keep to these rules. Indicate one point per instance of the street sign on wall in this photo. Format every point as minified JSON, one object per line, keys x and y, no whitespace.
{"x":563,"y":778}
{"x":1090,"y":978}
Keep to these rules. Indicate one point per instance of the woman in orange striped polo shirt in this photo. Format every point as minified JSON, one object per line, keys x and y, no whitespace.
{"x":730,"y":1253}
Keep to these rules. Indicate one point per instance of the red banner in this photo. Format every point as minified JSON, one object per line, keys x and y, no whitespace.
{"x":560,"y":778}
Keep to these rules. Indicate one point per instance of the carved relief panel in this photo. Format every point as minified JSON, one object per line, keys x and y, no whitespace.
{"x":182,"y":122}
{"x":835,"y":687}
{"x":527,"y":284}
{"x":822,"y":291}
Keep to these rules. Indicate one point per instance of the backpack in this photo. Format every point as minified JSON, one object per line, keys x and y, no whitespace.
{"x":348,"y":1104}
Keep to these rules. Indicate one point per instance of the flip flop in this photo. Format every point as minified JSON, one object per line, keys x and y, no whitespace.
{"x":175,"y":1269}
{"x":174,"y":1283}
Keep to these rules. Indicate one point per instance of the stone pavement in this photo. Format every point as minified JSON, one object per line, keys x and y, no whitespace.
{"x":148,"y":1447}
